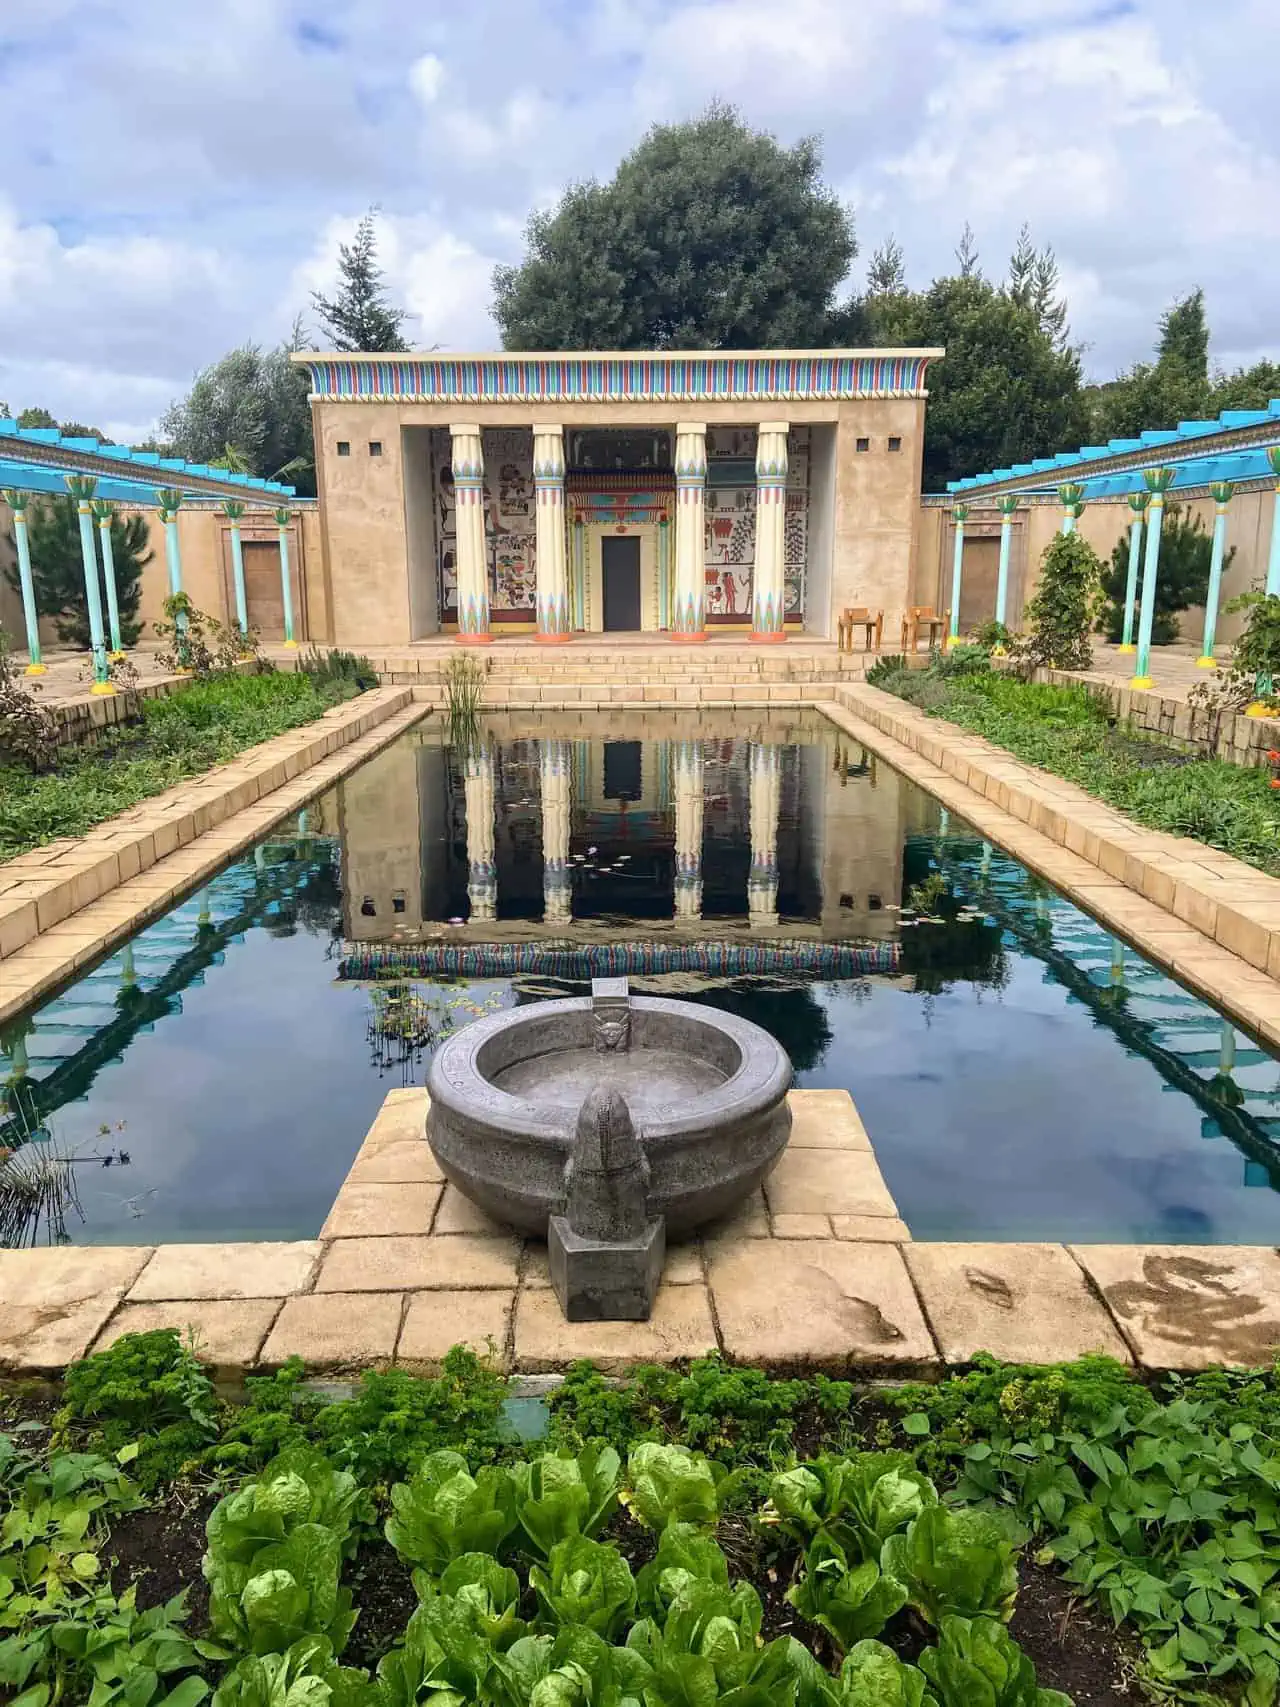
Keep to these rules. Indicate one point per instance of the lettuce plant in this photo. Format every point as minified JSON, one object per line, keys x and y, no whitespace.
{"x":977,"y":1663}
{"x":290,"y":1590}
{"x":574,"y":1668}
{"x":708,"y":1649}
{"x":852,"y":1603}
{"x":445,"y":1511}
{"x":585,"y":1582}
{"x":444,"y":1658}
{"x":873,"y":1676}
{"x":860,"y":1500}
{"x":303,"y":1676}
{"x":671,"y":1484}
{"x":489,"y":1592}
{"x":299,"y":1486}
{"x":954,"y":1560}
{"x":685,"y":1556}
{"x":559,"y":1495}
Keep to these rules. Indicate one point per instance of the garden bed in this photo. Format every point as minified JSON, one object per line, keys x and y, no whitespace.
{"x":1072,"y":732}
{"x":169,"y":741}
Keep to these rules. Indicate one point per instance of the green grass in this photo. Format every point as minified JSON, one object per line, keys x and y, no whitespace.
{"x":175,"y":738}
{"x":1071,"y":732}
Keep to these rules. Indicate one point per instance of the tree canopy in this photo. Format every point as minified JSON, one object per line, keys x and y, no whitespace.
{"x":57,"y":567}
{"x":248,"y":411}
{"x":710,"y":235}
{"x":358,"y":316}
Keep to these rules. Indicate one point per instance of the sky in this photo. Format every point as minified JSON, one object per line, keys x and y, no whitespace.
{"x":177,"y":177}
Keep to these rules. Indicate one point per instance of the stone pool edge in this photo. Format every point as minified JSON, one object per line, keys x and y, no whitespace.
{"x":816,"y":1272}
{"x":242,"y":799}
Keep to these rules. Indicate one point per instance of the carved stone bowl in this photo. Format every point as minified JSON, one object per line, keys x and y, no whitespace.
{"x":706,"y":1091}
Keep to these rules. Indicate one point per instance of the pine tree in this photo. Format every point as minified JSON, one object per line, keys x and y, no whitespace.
{"x":57,"y":568}
{"x":1022,"y":266}
{"x":887,"y":274}
{"x":359,"y":317}
{"x":1183,"y":580}
{"x":967,"y":254}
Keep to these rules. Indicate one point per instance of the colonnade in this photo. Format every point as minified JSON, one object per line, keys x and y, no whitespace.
{"x":106,"y":641}
{"x":555,"y":763}
{"x":686,"y":617}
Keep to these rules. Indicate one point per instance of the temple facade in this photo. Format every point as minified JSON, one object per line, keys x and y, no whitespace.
{"x":552,"y":495}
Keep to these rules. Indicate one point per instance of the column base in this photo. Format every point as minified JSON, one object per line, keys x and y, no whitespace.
{"x":1259,"y":708}
{"x":1207,"y":662}
{"x":1141,"y":682}
{"x":551,"y":639}
{"x":688,"y":639}
{"x":473,"y":639}
{"x":116,"y":657}
{"x":103,"y":689}
{"x":291,"y":645}
{"x":36,"y":670}
{"x":1126,"y":649}
{"x":767,"y":637}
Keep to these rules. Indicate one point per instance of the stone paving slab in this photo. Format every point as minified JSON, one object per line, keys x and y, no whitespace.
{"x":395,"y":1162}
{"x":336,"y":1330}
{"x":828,"y":1182}
{"x":228,"y":1332}
{"x":1022,"y":1303}
{"x":376,"y":1210}
{"x":457,"y":1214}
{"x":395,"y":1263}
{"x":826,"y":1120}
{"x":39,"y":1338}
{"x":1190,"y":1306}
{"x":435,"y":1321}
{"x":228,"y":1271}
{"x":681,"y":1326}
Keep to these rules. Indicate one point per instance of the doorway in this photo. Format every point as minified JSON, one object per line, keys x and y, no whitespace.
{"x":620,"y":574}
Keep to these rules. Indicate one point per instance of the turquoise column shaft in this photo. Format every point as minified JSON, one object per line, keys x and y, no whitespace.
{"x":1002,"y":580}
{"x":956,"y":566}
{"x":1273,"y":562}
{"x":30,"y":614}
{"x":285,"y":589}
{"x":1131,"y":585}
{"x":1068,"y":523}
{"x":1215,"y":581}
{"x":97,"y":639}
{"x":173,"y":556}
{"x":1150,"y":569}
{"x":237,"y":576}
{"x":109,"y":577}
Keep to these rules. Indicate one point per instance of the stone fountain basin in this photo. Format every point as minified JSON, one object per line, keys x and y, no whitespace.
{"x":707,"y":1092}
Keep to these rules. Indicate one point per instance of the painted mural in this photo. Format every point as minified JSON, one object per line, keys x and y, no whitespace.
{"x":730,"y":522}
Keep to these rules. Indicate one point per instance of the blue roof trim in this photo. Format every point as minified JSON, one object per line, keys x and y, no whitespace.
{"x":141,"y":459}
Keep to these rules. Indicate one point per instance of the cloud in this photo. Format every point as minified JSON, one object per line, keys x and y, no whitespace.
{"x":195,"y":189}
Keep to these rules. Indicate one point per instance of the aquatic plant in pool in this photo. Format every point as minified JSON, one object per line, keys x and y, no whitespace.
{"x":1022,"y":1072}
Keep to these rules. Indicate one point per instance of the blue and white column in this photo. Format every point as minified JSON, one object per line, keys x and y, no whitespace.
{"x":1158,"y":481}
{"x":233,"y":509}
{"x":959,"y":515}
{"x":688,"y":620}
{"x":81,"y":488}
{"x":765,"y":804}
{"x":104,"y":514}
{"x":472,"y":546}
{"x":555,"y":759}
{"x":552,"y":572}
{"x":768,"y":575}
{"x":1273,"y":561}
{"x":1071,"y":497}
{"x":482,"y":870}
{"x":1138,"y":502}
{"x":1008,"y":509}
{"x":17,"y":502}
{"x":1222,"y":490}
{"x":283,"y":517}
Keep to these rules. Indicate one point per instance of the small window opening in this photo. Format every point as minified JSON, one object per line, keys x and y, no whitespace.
{"x":864,"y":444}
{"x":367,"y":908}
{"x":375,"y":447}
{"x":344,"y":447}
{"x":895,"y":444}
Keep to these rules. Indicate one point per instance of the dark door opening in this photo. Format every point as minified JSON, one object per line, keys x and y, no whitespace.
{"x":620,"y":573}
{"x":623,"y":770}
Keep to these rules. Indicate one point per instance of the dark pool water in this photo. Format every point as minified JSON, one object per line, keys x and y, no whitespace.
{"x":1023,"y":1074}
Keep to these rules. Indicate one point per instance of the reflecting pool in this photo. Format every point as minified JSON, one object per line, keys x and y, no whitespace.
{"x":1023,"y":1073}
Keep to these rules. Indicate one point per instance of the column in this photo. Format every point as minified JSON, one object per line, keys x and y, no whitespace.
{"x":17,"y":502}
{"x":959,"y":515}
{"x":1273,"y":561}
{"x":578,"y":591}
{"x":169,"y":502}
{"x":1138,"y":502}
{"x":1221,"y":490}
{"x":1008,"y":508}
{"x":233,"y":509}
{"x":482,"y":872}
{"x":688,"y":788}
{"x":283,"y":519}
{"x":473,"y":555}
{"x":688,"y":622}
{"x":81,"y":487}
{"x":548,"y":488}
{"x":766,"y":799}
{"x":555,"y":760}
{"x":1158,"y":482}
{"x":664,"y":571}
{"x":104,"y":514}
{"x":768,"y":599}
{"x":1070,"y":496}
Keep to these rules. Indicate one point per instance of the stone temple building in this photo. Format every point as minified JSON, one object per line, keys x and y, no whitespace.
{"x":689,"y":494}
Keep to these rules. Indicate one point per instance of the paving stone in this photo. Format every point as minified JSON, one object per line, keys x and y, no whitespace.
{"x":802,"y":1226}
{"x":457,"y":1214}
{"x":64,"y":1274}
{"x":397,"y":1161}
{"x":401,"y":1119}
{"x":1190,"y":1306}
{"x":680,"y":1326}
{"x":818,"y":1302}
{"x":228,"y":1332}
{"x":363,"y":1210}
{"x":40,"y":1337}
{"x":336,"y":1329}
{"x":408,"y":1264}
{"x":826,"y":1120}
{"x":880,"y":1228}
{"x":1023,"y":1303}
{"x":435,"y":1321}
{"x":828,"y":1182}
{"x":228,"y":1271}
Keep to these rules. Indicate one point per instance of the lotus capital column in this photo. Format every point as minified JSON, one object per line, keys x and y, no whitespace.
{"x":765,"y":804}
{"x":473,"y":554}
{"x":482,"y":870}
{"x":689,"y":816}
{"x":688,"y":620}
{"x":556,"y":767}
{"x":768,"y":596}
{"x":548,"y":489}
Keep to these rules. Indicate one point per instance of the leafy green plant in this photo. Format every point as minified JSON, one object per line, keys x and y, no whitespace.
{"x":708,"y":1650}
{"x":671,"y":1483}
{"x":685,"y":1556}
{"x":852,"y":1602}
{"x":288,"y":1590}
{"x":298,"y":1487}
{"x":1061,"y":614}
{"x":574,"y":1668}
{"x":444,"y":1657}
{"x":490,"y":1592}
{"x":149,"y":1388}
{"x":873,"y":1676}
{"x":585,"y":1582}
{"x":560,"y":1494}
{"x":304,"y":1675}
{"x":444,"y":1511}
{"x":336,"y":667}
{"x":29,"y":734}
{"x":953,"y":1560}
{"x":977,"y":1663}
{"x":859,"y":1501}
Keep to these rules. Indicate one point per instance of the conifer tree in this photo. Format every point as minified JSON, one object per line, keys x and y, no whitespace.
{"x":359,"y":317}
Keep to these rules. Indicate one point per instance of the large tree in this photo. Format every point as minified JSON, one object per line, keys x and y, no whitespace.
{"x":1175,"y":387}
{"x":57,"y":568}
{"x":358,"y":316}
{"x":249,"y":411}
{"x":710,"y":235}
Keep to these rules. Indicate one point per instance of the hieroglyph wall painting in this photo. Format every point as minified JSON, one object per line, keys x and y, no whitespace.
{"x":509,"y":522}
{"x":731,"y":521}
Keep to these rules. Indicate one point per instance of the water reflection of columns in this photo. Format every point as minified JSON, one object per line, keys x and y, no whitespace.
{"x":688,"y":780}
{"x":482,"y":872}
{"x":557,"y":789}
{"x":766,"y":799}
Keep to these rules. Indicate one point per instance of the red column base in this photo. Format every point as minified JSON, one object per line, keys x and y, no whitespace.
{"x":688,"y":639}
{"x":552,"y":639}
{"x":767,"y":637}
{"x":474,"y":639}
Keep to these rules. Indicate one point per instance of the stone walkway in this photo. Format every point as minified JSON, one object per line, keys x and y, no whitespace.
{"x":815,"y":1272}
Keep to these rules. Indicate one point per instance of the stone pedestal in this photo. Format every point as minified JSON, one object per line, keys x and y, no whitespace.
{"x":605,"y":1281}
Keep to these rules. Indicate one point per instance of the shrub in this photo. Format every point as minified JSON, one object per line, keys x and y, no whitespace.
{"x":1064,"y":609}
